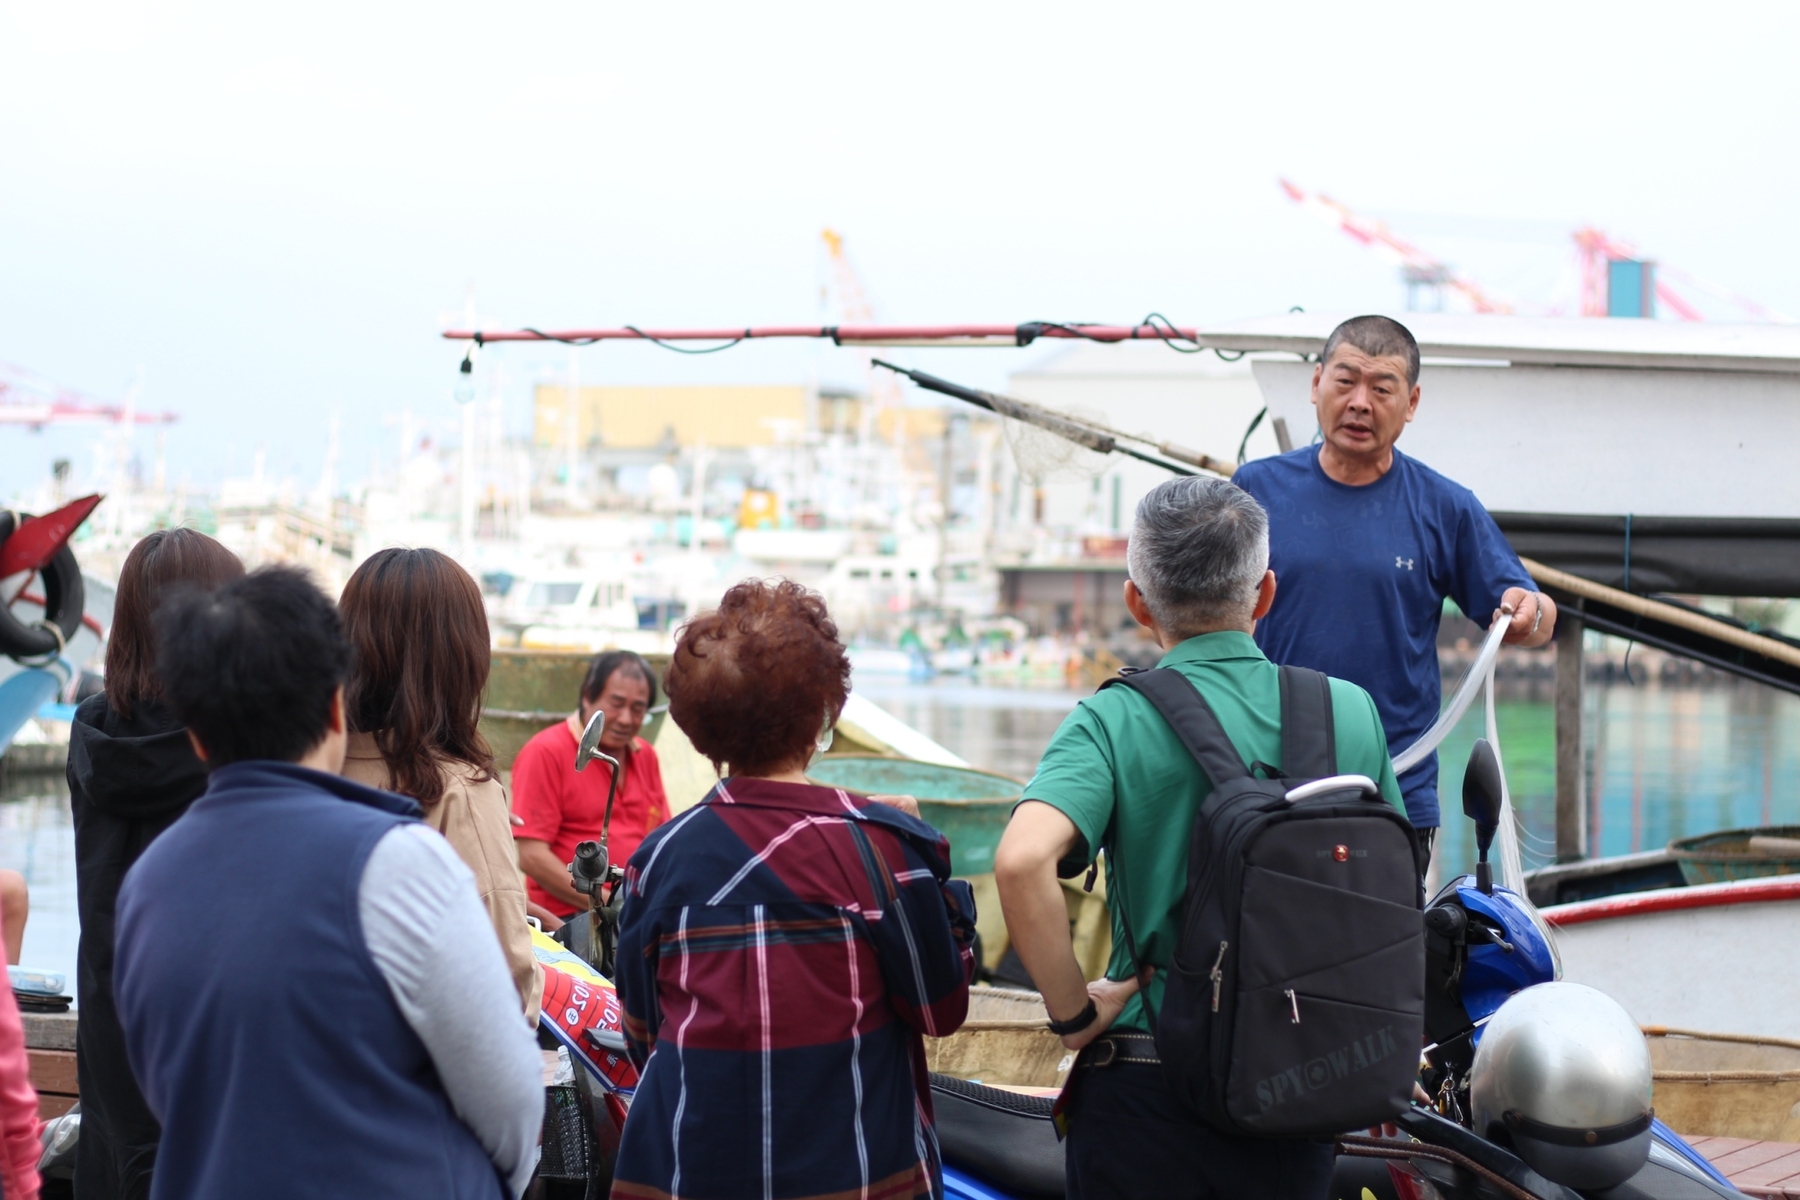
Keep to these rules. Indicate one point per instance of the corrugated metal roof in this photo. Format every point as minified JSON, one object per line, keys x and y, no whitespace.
{"x":1545,"y":341}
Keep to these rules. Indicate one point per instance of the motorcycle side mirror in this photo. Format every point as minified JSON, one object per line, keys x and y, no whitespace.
{"x":1481,"y":804}
{"x":590,"y":740}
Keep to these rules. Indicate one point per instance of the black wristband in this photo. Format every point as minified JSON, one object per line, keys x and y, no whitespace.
{"x":1078,"y":1022}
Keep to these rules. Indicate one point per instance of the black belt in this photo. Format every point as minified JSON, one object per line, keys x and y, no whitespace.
{"x":1114,"y":1048}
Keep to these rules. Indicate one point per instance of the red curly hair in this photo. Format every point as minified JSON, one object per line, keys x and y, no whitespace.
{"x":751,"y":682}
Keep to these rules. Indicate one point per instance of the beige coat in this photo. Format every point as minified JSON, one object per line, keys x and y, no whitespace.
{"x":476,"y":819}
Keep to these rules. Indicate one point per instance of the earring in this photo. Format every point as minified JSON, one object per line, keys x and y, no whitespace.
{"x":826,"y":733}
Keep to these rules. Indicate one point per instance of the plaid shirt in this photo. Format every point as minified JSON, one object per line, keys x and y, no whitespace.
{"x":782,"y":950}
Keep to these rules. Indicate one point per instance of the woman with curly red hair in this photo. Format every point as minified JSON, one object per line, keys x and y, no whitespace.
{"x":784,"y":947}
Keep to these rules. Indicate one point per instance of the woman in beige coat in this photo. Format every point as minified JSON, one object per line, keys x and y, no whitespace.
{"x":419,"y":637}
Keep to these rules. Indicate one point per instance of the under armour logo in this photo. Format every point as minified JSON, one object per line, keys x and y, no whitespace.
{"x":1403,"y":562}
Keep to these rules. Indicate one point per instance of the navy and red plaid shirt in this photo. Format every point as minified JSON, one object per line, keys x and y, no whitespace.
{"x":781,"y":952}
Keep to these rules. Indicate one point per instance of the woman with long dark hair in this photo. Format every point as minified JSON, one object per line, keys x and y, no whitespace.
{"x":784,"y":947}
{"x":131,"y":773}
{"x":420,"y":656}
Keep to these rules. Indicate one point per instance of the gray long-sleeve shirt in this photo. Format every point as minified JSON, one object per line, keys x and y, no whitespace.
{"x":434,"y":944}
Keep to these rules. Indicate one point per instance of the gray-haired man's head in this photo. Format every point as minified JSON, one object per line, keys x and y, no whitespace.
{"x":1198,"y":554}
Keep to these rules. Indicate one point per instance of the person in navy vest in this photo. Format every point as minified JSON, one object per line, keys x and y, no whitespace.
{"x":1368,"y":543}
{"x":313,"y":998}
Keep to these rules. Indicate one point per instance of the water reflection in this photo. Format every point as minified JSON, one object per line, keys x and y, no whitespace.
{"x":1662,"y":763}
{"x":38,"y":840}
{"x":1002,"y":729}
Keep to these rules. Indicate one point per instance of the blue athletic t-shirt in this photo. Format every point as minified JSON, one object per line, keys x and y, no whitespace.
{"x":1361,"y":575}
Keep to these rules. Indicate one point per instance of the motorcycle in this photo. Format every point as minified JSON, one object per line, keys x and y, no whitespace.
{"x":1485,"y":944}
{"x":586,"y":1106}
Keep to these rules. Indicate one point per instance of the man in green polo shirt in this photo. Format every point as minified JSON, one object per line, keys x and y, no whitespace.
{"x":1116,"y":776}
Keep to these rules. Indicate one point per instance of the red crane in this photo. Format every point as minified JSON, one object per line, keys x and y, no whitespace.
{"x":1594,"y":249}
{"x":1419,"y":266}
{"x":27,"y":398}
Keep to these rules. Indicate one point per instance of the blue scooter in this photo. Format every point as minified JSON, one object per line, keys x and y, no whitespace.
{"x":1484,"y":943}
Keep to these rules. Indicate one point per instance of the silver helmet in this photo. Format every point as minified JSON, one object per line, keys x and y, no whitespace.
{"x":1563,"y":1074}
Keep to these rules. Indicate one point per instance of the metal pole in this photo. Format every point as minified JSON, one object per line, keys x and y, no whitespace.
{"x":571,"y":430}
{"x":1571,"y":833}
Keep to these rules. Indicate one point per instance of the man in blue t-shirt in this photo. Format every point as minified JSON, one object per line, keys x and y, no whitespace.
{"x":1367,"y":543}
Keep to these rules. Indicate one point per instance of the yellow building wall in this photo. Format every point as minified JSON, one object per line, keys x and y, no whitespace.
{"x":725,"y":415}
{"x":914,"y":422}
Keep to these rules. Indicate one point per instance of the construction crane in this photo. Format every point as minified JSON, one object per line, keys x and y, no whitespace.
{"x":1418,"y":268}
{"x":853,"y":303}
{"x":27,"y":398}
{"x":1594,"y":250}
{"x":855,"y":308}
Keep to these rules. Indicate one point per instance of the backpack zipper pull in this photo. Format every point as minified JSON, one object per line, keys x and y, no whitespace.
{"x":1293,"y":1003}
{"x":1218,"y":974}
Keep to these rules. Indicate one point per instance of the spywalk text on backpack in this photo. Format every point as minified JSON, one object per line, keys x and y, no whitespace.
{"x":1294,"y":1005}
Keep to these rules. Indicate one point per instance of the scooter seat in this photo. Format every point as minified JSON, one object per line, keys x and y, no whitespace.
{"x":1004,"y":1138}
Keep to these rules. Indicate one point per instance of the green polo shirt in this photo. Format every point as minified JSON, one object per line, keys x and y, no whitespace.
{"x":1118,"y":771}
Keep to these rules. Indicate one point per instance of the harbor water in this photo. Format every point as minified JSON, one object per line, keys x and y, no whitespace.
{"x":1664,"y":762}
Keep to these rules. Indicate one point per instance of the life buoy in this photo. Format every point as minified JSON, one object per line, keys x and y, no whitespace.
{"x":64,"y":600}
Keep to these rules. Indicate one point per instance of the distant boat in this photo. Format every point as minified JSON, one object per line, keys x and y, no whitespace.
{"x":913,"y":663}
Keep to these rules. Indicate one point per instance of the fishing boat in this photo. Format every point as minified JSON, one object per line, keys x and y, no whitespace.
{"x":1717,"y":956}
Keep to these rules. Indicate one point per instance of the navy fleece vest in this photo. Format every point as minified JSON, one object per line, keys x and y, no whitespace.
{"x":263,"y":1033}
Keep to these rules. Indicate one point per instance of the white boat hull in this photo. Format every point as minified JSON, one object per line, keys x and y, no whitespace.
{"x":1721,"y":956}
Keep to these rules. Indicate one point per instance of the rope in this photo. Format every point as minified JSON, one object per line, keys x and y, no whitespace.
{"x":683,"y":349}
{"x":1254,"y":423}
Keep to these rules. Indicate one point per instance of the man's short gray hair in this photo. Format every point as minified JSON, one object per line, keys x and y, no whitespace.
{"x":1378,"y":337}
{"x":1198,"y":552}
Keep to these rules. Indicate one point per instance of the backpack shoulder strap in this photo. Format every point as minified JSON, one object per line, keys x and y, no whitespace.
{"x":1192,"y":719}
{"x":1195,"y":723}
{"x":1308,"y":737}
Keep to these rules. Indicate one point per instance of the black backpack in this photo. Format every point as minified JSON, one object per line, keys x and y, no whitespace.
{"x":1295,"y":1004}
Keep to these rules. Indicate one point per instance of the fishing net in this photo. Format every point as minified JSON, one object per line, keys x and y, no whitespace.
{"x":1044,"y":456}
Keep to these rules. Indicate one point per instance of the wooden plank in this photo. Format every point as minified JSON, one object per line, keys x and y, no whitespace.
{"x":54,"y":1071}
{"x":50,"y":1031}
{"x":1775,"y":1172}
{"x":1766,"y":1170}
{"x":1571,"y":811}
{"x":1749,"y":1157}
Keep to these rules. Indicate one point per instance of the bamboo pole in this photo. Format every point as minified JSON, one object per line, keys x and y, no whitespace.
{"x":1668,"y":614}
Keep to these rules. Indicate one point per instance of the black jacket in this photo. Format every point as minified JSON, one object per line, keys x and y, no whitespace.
{"x":128,"y":781}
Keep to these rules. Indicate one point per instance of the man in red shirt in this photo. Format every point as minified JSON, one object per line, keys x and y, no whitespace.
{"x":556,"y":807}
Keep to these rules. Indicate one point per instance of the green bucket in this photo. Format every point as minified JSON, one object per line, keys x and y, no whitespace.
{"x":1738,"y":854}
{"x":967,"y":806}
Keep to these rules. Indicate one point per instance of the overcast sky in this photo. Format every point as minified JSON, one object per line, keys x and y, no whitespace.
{"x":272,"y":209}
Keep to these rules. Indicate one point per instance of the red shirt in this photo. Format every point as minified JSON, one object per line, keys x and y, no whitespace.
{"x":564,"y":807}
